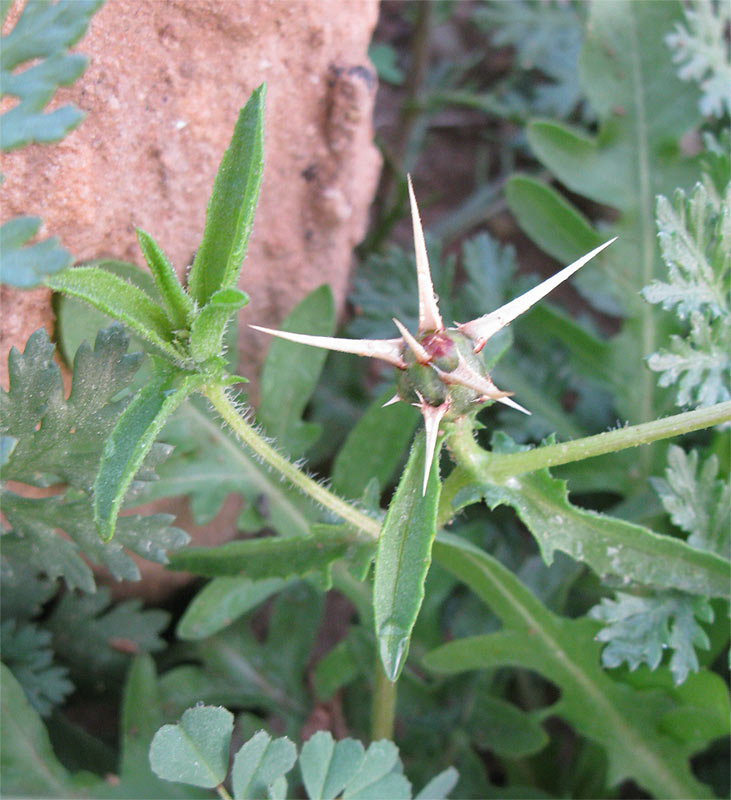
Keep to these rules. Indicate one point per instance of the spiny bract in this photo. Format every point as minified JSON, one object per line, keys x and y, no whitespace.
{"x":439,"y":370}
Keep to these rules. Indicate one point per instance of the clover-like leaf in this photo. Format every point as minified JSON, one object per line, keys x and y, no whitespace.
{"x":195,"y":750}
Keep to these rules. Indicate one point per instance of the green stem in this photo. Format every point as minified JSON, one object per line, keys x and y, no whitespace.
{"x":474,"y":462}
{"x":222,"y":792}
{"x":226,"y":408}
{"x":503,"y":465}
{"x":383,"y":710}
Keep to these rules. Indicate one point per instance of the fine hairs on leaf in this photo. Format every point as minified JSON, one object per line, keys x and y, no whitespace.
{"x":697,"y":499}
{"x":195,"y":751}
{"x":695,"y":239}
{"x":59,"y":440}
{"x":639,"y":629}
{"x":701,"y":49}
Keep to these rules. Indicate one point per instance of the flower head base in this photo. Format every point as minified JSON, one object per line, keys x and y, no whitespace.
{"x":439,"y":369}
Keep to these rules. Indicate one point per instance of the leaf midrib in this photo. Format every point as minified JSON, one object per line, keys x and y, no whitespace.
{"x":633,"y":745}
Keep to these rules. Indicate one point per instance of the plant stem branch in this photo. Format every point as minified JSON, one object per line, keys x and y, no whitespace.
{"x":383,"y":710}
{"x":226,"y":408}
{"x":475,"y":463}
{"x":503,"y":465}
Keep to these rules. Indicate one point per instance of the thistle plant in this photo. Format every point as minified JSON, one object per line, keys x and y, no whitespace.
{"x":439,"y":370}
{"x":378,"y":558}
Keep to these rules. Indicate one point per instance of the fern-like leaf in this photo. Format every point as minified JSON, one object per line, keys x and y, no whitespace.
{"x":639,"y":629}
{"x":26,"y":651}
{"x":702,"y":47}
{"x":42,"y":35}
{"x":697,"y":500}
{"x":695,"y":240}
{"x":58,"y":442}
{"x":97,"y":640}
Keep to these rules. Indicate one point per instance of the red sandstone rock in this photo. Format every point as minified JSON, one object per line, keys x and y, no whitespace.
{"x":163,"y":89}
{"x":164,"y":86}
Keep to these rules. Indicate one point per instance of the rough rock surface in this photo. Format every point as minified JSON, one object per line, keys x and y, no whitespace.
{"x":162,"y":91}
{"x":164,"y":85}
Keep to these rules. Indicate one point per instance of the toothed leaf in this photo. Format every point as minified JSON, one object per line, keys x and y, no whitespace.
{"x":25,"y":267}
{"x":42,"y":34}
{"x":60,"y":440}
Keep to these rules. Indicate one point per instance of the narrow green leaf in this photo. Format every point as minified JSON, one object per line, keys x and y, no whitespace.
{"x":231,"y":206}
{"x":625,"y":722}
{"x":121,"y":301}
{"x":221,"y":602}
{"x":176,"y":299}
{"x":270,"y":557}
{"x":27,"y":266}
{"x":403,"y":558}
{"x":374,"y":446}
{"x":259,"y":764}
{"x":327,"y":766}
{"x":554,"y":224}
{"x":195,"y":750}
{"x":209,"y":325}
{"x":291,"y":372}
{"x":131,"y":439}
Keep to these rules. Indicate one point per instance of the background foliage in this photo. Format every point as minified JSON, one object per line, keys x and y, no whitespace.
{"x":577,"y":616}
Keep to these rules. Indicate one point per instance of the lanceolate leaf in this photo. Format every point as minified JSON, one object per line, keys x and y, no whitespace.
{"x":131,"y":440}
{"x":550,"y":220}
{"x":231,"y":207}
{"x":374,"y":446}
{"x":223,"y":600}
{"x":178,"y":302}
{"x":269,"y":557}
{"x":627,"y":723}
{"x":29,"y":765}
{"x":403,"y":558}
{"x":121,"y":301}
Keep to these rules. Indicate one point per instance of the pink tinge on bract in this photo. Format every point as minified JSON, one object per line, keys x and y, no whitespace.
{"x":425,"y":350}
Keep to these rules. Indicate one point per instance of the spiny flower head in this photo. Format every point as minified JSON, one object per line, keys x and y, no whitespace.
{"x":439,"y":369}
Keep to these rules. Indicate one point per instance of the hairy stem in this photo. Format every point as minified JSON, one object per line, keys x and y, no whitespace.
{"x":502,"y":465}
{"x":226,"y":408}
{"x":383,"y":710}
{"x":472,"y":461}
